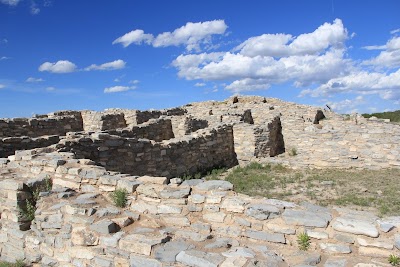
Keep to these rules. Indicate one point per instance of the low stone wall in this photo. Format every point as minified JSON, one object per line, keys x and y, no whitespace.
{"x":9,"y":145}
{"x":154,"y":129}
{"x":170,"y":223}
{"x":210,"y":148}
{"x":345,"y":144}
{"x":57,"y":123}
{"x":100,"y":121}
{"x":253,"y":142}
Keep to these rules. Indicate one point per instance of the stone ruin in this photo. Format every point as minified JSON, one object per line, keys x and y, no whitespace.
{"x":86,"y":155}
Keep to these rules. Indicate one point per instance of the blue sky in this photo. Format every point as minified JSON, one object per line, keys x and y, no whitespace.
{"x":70,"y":54}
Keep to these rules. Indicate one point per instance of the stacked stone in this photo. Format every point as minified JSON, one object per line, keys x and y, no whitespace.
{"x":99,"y":121}
{"x":154,"y":129}
{"x":53,"y":124}
{"x":9,"y":145}
{"x":167,"y":222}
{"x":206,"y":149}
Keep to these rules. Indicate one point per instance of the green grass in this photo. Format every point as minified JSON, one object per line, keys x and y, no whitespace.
{"x":18,"y":263}
{"x":303,"y":240}
{"x":119,"y":197}
{"x":362,"y":189}
{"x":394,"y":260}
{"x":394,"y":116}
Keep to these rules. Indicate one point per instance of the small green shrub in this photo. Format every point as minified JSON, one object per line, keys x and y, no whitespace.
{"x":303,"y":240}
{"x":293,"y":152}
{"x":119,"y":197}
{"x":394,"y":260}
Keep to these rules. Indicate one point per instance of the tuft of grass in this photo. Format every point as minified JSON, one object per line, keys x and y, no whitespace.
{"x":120,"y":197}
{"x":18,"y":263}
{"x":303,"y":240}
{"x":394,"y":260}
{"x":293,"y":152}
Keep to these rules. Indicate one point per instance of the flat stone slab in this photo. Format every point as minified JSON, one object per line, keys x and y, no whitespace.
{"x":335,"y":248}
{"x":258,"y":235}
{"x":168,"y":252}
{"x":199,"y":258}
{"x":355,"y":226}
{"x":175,"y":192}
{"x":141,"y":243}
{"x":305,"y":218}
{"x":214,"y":185}
{"x":105,"y":227}
{"x":143,"y":261}
{"x":387,"y":244}
{"x":236,"y":252}
{"x":333,"y":262}
{"x":261,"y":211}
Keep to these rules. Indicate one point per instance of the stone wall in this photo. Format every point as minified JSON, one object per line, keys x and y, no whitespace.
{"x":253,"y":142}
{"x":210,"y":148}
{"x":9,"y":145}
{"x":100,"y":121}
{"x":170,"y":223}
{"x":58,"y":123}
{"x":154,"y":129}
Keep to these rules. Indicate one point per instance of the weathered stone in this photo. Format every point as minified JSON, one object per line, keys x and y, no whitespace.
{"x":199,"y":258}
{"x":239,"y":252}
{"x":141,"y":244}
{"x":335,"y":248}
{"x":129,"y":185}
{"x":208,"y":186}
{"x":261,"y":211}
{"x":275,"y":238}
{"x":107,"y":212}
{"x":168,"y":251}
{"x":175,"y":192}
{"x":317,"y":234}
{"x":80,"y":236}
{"x":105,"y":227}
{"x":305,"y":218}
{"x":334,"y":262}
{"x":154,"y":180}
{"x":374,"y":252}
{"x":218,"y":217}
{"x":142,"y":261}
{"x":168,"y":209}
{"x":355,"y":226}
{"x":375,"y":243}
{"x":397,"y":241}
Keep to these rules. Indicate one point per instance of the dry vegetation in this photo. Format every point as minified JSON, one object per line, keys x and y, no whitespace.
{"x":360,"y":189}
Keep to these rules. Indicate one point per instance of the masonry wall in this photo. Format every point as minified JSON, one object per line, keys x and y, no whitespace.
{"x":154,"y":129}
{"x":9,"y":145}
{"x":167,"y":222}
{"x":100,"y":121}
{"x":259,"y":141}
{"x":58,"y":123}
{"x":211,"y":148}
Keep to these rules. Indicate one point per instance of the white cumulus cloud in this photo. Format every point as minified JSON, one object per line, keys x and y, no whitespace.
{"x":134,"y":37}
{"x":2,"y":86}
{"x":34,"y":8}
{"x":280,"y":45}
{"x":118,"y":88}
{"x":114,"y":65}
{"x":34,"y":80}
{"x":10,"y":2}
{"x":200,"y":84}
{"x":385,"y":85}
{"x":61,"y":66}
{"x":389,"y":58}
{"x":191,"y":35}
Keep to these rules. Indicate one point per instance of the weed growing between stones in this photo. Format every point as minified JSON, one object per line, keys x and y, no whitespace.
{"x":303,"y":240}
{"x":120,"y":197}
{"x":18,"y":263}
{"x":30,"y":207}
{"x":293,"y":152}
{"x":394,"y":260}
